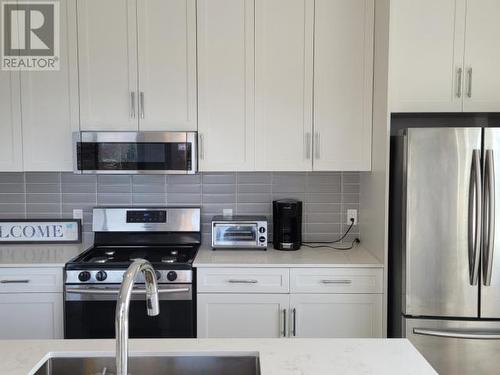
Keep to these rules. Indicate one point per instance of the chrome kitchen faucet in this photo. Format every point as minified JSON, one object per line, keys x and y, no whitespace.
{"x":123,"y":304}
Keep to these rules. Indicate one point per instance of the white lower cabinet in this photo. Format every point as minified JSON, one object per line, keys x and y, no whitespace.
{"x":31,"y":303}
{"x":242,"y":315}
{"x":31,"y":316}
{"x":320,"y":303}
{"x":336,"y":315}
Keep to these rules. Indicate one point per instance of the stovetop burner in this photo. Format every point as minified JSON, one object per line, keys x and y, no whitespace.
{"x":122,"y":256}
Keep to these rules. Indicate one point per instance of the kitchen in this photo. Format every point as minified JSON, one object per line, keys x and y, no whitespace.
{"x":266,"y":158}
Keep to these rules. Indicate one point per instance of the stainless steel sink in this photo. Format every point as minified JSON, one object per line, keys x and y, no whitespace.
{"x":155,"y":365}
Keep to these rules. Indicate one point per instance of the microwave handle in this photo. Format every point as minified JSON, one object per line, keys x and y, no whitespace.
{"x":202,"y":146}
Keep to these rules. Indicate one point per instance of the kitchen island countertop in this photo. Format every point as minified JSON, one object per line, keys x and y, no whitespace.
{"x":276,"y":356}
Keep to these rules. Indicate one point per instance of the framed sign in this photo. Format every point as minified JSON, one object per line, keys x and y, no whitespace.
{"x":27,"y":231}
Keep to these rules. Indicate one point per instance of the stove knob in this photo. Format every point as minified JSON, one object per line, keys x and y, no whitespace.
{"x":158,"y":275}
{"x":101,"y":276}
{"x":84,"y":276}
{"x":172,"y":276}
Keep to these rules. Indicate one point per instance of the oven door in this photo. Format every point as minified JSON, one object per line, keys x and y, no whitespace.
{"x":135,"y":152}
{"x":90,"y":312}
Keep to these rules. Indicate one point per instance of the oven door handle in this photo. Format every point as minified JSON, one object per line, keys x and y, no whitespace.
{"x":102,"y":291}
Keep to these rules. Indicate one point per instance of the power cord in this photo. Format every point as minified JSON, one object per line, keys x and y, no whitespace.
{"x":327,"y":243}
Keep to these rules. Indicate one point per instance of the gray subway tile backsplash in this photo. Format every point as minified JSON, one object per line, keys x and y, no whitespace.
{"x":11,"y":177}
{"x":326,"y":196}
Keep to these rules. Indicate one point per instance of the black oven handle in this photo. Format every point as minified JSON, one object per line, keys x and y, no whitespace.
{"x":114,"y":291}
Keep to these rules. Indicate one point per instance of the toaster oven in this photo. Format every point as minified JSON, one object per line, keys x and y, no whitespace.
{"x":239,"y":232}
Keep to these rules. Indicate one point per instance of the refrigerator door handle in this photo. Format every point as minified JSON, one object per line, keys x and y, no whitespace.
{"x":489,"y":217}
{"x":458,"y":334}
{"x":475,"y":217}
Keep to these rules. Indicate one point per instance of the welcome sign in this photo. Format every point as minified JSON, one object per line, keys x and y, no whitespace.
{"x":40,"y":231}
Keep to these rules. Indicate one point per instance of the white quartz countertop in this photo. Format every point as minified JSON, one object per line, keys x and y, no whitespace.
{"x":39,"y":255}
{"x":305,"y":257}
{"x":276,"y":356}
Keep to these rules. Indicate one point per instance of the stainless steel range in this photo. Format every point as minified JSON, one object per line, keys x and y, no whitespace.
{"x":168,"y":238}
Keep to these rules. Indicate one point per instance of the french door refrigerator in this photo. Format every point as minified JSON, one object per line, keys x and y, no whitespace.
{"x":445,"y":246}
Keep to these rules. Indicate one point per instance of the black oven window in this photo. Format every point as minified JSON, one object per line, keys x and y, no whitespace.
{"x":135,"y":156}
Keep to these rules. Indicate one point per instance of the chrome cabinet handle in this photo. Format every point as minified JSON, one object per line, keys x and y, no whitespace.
{"x":116,"y":291}
{"x":234,"y":281}
{"x":24,"y":281}
{"x":141,"y":103}
{"x":469,"y":85}
{"x":294,"y":322}
{"x":475,"y":217}
{"x":459,"y":82}
{"x":308,"y":145}
{"x":317,"y":151}
{"x":132,"y":104}
{"x":336,"y":281}
{"x":457,"y":334}
{"x":489,"y":217}
{"x":202,"y":146}
{"x":283,"y":333}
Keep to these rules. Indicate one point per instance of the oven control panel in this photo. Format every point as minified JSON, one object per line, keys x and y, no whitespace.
{"x":156,"y":216}
{"x":116,"y":276}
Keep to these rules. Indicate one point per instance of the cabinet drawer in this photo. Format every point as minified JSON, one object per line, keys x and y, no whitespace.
{"x":29,"y":280}
{"x":243,"y":280}
{"x":336,"y":280}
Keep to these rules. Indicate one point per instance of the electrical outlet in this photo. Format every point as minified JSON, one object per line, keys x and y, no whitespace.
{"x":227,"y":212}
{"x":78,"y":214}
{"x":352,"y":214}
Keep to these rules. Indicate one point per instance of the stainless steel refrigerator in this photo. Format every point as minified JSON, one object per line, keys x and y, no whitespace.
{"x":444,"y":273}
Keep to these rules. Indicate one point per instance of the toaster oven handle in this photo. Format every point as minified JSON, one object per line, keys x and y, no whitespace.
{"x":249,"y":281}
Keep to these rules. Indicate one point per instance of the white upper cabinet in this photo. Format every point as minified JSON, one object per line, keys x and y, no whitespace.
{"x":140,"y":73}
{"x":343,"y":84}
{"x":166,"y":31}
{"x":107,"y":51}
{"x":226,"y":85}
{"x":482,"y":56}
{"x":50,"y":105}
{"x":11,"y":149}
{"x":427,"y":47}
{"x":445,"y":56}
{"x":283,"y":84}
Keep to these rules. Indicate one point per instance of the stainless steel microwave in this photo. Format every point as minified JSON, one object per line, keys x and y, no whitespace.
{"x":149,"y":152}
{"x":239,"y":232}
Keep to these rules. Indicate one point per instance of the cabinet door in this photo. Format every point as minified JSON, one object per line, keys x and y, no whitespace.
{"x":226,"y":85}
{"x":336,"y":315}
{"x":49,"y":110}
{"x":107,"y":52}
{"x":343,"y":81}
{"x":284,"y":66}
{"x":11,"y":150}
{"x":166,"y":31}
{"x":31,"y":316}
{"x":482,"y":56}
{"x":426,"y":68}
{"x":242,"y":315}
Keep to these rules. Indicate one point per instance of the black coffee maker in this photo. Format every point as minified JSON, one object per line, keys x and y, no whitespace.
{"x":287,"y":224}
